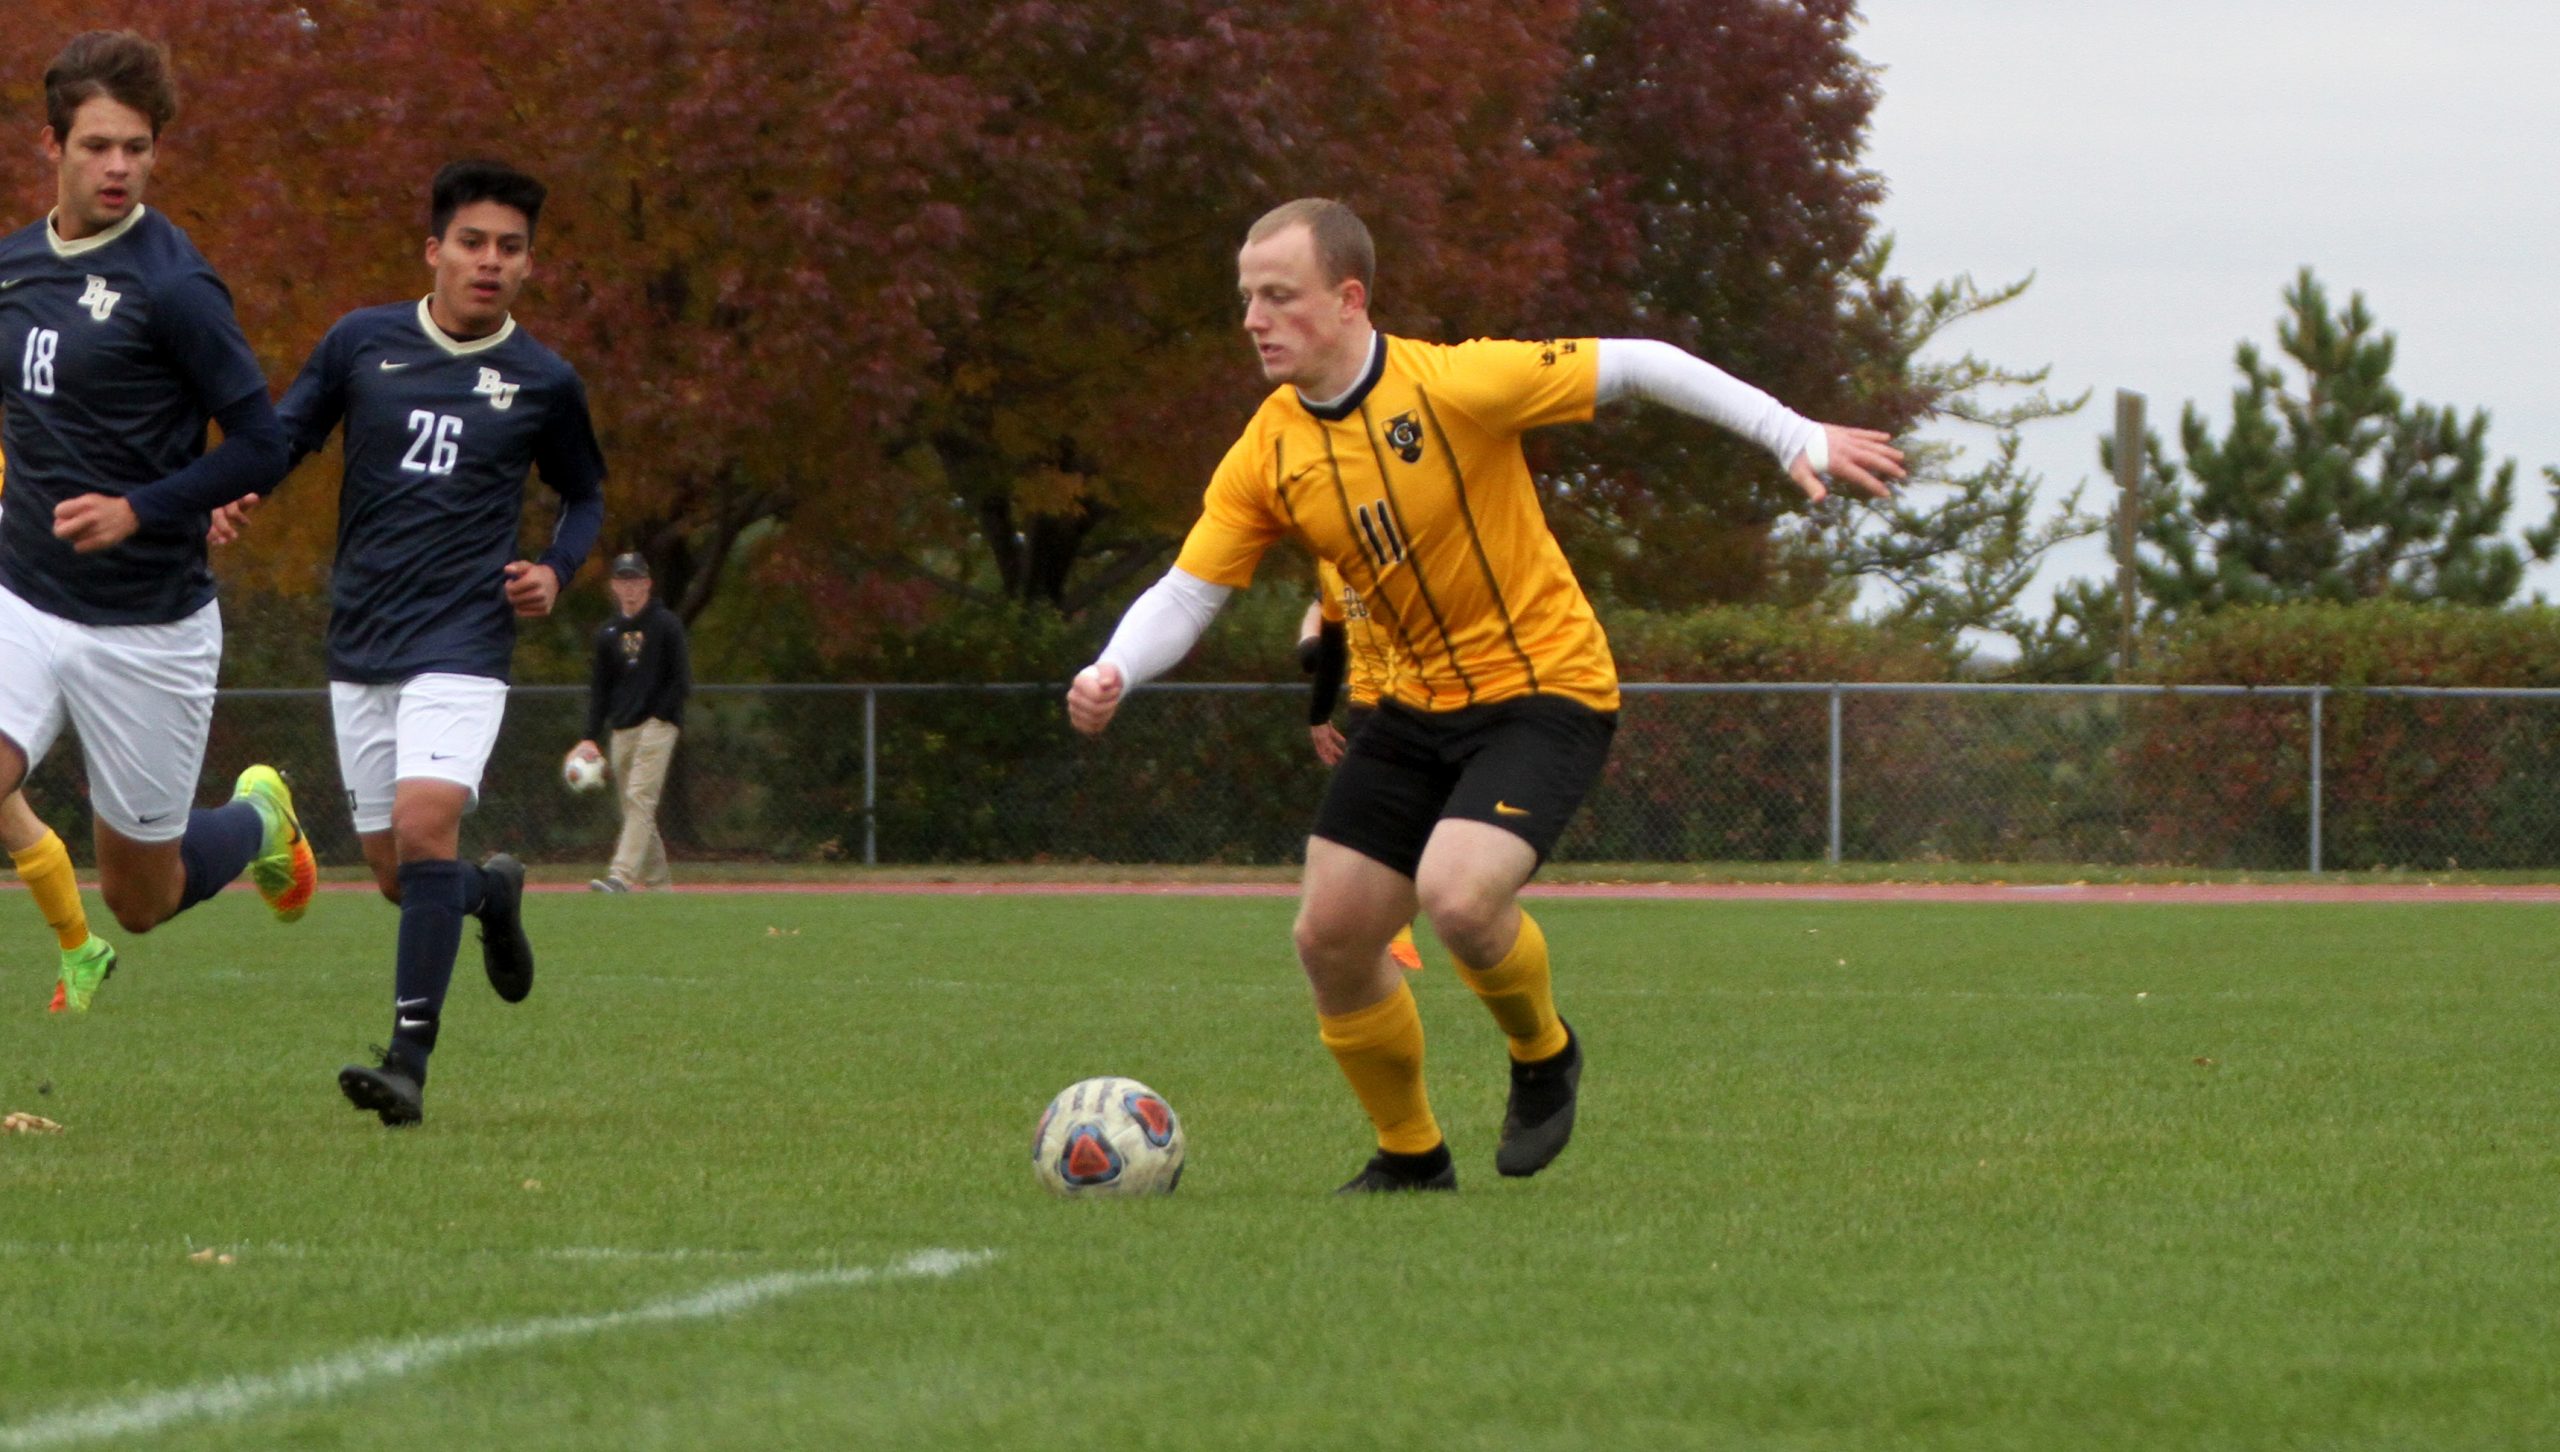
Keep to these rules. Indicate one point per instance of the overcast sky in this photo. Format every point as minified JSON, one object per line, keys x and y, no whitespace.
{"x":2164,"y":169}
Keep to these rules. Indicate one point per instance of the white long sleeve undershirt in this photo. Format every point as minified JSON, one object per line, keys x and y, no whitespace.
{"x":1661,"y":373}
{"x":1162,"y":625}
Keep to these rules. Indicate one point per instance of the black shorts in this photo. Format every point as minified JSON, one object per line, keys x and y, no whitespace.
{"x":1522,"y":765}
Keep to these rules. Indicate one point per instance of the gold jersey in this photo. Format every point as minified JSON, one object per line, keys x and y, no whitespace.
{"x":1369,"y":670}
{"x":1414,"y":489}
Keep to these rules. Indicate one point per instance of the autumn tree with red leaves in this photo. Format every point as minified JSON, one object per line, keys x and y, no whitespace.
{"x":940,"y":295}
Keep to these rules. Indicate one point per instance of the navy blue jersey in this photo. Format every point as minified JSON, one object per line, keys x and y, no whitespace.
{"x":440,"y":435}
{"x":115,"y":351}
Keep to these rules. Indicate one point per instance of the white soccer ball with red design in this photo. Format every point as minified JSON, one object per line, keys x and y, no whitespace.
{"x":581,"y":773}
{"x":1108,"y":1136}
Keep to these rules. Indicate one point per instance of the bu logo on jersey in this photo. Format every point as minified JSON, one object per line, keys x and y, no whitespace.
{"x":500,"y":393}
{"x":1404,"y":435}
{"x":98,"y":299}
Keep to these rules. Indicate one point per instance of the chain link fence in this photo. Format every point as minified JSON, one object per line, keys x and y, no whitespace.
{"x":2225,"y":777}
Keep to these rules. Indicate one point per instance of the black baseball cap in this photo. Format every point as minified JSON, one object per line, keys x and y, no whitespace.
{"x":630,"y":565}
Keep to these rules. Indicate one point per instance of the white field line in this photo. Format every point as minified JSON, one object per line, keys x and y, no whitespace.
{"x":238,"y":1396}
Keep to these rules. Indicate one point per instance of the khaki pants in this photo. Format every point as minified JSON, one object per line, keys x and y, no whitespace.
{"x":640,"y":757}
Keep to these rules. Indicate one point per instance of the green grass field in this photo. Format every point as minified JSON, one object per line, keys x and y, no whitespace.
{"x":1849,"y":1176}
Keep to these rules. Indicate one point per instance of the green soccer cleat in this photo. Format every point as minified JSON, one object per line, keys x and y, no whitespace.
{"x":83,"y":969}
{"x":284,"y":871}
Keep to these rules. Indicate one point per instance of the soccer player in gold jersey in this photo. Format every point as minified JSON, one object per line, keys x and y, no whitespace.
{"x":1341,"y":647}
{"x":1399,"y":462}
{"x":44,"y":865}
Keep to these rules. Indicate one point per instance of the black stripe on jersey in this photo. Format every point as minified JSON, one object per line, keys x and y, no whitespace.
{"x":1378,"y":549}
{"x":1378,"y":587}
{"x":1467,"y":512}
{"x":1396,"y":542}
{"x":1279,"y":472}
{"x":1422,"y":586}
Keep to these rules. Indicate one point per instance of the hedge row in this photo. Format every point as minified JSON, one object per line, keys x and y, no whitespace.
{"x":1229,"y":777}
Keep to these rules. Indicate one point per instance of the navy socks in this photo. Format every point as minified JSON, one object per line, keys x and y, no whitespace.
{"x":434,"y":898}
{"x":218,"y":847}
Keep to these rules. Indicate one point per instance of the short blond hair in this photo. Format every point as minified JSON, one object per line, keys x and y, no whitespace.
{"x":1343,"y":248}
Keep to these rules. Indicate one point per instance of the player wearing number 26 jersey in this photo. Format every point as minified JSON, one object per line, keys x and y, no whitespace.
{"x":440,"y":435}
{"x":447,"y":406}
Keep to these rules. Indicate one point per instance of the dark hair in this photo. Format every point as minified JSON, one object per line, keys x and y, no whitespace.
{"x":1343,"y":248}
{"x":117,"y":64}
{"x":463,"y":182}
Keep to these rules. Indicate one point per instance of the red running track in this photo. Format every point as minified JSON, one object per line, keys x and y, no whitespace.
{"x":2165,"y":892}
{"x":2182,"y":893}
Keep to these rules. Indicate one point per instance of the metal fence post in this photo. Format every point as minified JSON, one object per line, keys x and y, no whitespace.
{"x":870,"y":777}
{"x":1835,"y":774}
{"x":2318,"y":694}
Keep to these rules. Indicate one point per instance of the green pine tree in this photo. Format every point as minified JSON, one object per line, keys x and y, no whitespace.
{"x":2326,"y":486}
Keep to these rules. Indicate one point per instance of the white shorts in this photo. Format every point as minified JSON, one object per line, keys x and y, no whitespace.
{"x":437,"y":727}
{"x":141,"y":697}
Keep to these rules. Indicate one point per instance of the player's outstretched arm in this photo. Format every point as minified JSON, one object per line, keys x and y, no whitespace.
{"x":1660,"y":373}
{"x":1161,"y":627}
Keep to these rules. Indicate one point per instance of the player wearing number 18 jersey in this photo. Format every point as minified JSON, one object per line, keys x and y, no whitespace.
{"x":117,"y":348}
{"x":447,"y":405}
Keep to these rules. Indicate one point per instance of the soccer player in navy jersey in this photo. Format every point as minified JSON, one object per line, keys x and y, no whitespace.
{"x":117,"y":348}
{"x":447,"y":404}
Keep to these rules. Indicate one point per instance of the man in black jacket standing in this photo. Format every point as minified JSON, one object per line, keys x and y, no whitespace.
{"x":642,"y":675}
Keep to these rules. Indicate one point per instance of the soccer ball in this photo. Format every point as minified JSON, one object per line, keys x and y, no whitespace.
{"x":1108,"y":1136}
{"x":582,"y":773}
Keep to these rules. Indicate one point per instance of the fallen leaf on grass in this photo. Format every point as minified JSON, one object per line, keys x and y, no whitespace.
{"x":19,"y":1122}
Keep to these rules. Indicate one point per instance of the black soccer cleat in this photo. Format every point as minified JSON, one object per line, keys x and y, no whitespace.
{"x":392,"y":1090}
{"x":1388,"y":1173}
{"x":504,"y":949}
{"x":1538,"y":1122}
